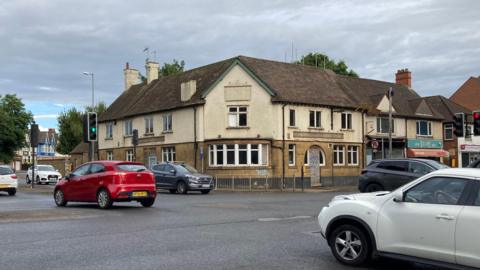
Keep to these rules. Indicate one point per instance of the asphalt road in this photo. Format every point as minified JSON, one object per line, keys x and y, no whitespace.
{"x":215,"y":231}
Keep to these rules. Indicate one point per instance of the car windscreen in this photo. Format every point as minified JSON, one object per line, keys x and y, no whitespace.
{"x":184,"y":168}
{"x":437,"y":165}
{"x":131,"y":167}
{"x":5,"y":171}
{"x":45,"y":168}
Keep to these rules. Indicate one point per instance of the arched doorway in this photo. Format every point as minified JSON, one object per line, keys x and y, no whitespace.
{"x":315,"y":158}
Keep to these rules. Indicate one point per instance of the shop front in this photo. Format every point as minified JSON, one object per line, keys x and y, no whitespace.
{"x":469,"y":153}
{"x":424,"y":148}
{"x":378,"y":148}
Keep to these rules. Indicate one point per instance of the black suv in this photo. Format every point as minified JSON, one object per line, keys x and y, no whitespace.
{"x":181,"y":178}
{"x":389,"y":174}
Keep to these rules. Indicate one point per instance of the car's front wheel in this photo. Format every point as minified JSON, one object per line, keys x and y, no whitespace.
{"x":147,"y":202}
{"x":181,"y":187}
{"x":59,"y":197}
{"x":374,"y":188}
{"x":350,"y":245}
{"x":103,"y":199}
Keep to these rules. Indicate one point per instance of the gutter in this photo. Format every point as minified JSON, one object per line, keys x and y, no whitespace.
{"x":195,"y":144}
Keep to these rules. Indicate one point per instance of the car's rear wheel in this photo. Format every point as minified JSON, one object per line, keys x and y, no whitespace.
{"x":147,"y":202}
{"x":12,"y":192}
{"x":373,"y":187}
{"x":59,"y":197}
{"x":181,"y":187}
{"x":173,"y":191}
{"x":104,"y":200}
{"x":350,"y":245}
{"x":205,"y":191}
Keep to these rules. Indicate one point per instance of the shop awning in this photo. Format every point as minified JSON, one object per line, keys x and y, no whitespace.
{"x":412,"y":152}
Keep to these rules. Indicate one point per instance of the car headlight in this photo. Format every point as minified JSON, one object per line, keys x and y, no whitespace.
{"x":193,"y":179}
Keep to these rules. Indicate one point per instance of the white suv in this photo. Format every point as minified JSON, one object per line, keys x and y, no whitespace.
{"x":8,"y":180}
{"x":434,"y":219}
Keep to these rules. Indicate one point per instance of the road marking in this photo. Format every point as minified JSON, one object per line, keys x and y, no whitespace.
{"x":285,"y":218}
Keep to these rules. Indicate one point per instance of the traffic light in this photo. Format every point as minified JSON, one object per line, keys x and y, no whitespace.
{"x":34,"y":135}
{"x":459,"y":124}
{"x":476,"y":123}
{"x":92,"y":126}
{"x":135,"y":137}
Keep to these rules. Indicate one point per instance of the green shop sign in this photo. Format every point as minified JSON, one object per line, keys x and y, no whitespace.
{"x":415,"y":143}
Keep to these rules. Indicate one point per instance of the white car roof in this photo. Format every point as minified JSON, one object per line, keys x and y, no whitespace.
{"x":468,"y":172}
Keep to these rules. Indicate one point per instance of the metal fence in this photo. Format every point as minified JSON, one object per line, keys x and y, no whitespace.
{"x":292,"y":184}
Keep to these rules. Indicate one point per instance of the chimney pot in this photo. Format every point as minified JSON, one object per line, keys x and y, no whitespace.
{"x":404,"y":77}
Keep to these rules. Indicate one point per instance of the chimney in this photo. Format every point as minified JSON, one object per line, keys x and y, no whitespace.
{"x":51,"y":131}
{"x":131,"y":76}
{"x":187,"y":90}
{"x":151,"y":68}
{"x":404,"y":77}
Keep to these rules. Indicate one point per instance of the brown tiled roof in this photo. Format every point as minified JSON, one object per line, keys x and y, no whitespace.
{"x":290,"y":83}
{"x":467,"y":94}
{"x":82,"y":148}
{"x":445,"y":107}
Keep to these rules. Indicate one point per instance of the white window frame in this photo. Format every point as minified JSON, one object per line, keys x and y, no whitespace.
{"x":169,"y":154}
{"x":292,"y":149}
{"x":379,"y":125}
{"x":128,"y":127}
{"x":338,"y":150}
{"x":129,"y":155}
{"x":317,"y":119}
{"x":234,"y":117}
{"x":292,"y":120}
{"x":347,"y":119}
{"x":109,"y":130}
{"x":322,"y":154}
{"x":352,"y":153}
{"x":148,"y":125}
{"x":109,"y":155}
{"x":167,"y":122}
{"x":214,"y":152}
{"x":429,"y":128}
{"x":448,"y":126}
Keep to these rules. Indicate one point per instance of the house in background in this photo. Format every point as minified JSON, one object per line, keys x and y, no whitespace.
{"x":448,"y":108}
{"x":47,"y":143}
{"x":468,"y":95}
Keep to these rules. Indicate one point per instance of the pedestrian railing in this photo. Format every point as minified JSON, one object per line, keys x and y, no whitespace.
{"x":235,"y":183}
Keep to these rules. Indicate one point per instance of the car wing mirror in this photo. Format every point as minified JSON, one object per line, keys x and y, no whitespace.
{"x":172,"y":172}
{"x":398,"y":196}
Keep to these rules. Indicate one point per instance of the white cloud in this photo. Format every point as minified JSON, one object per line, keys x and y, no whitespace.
{"x":59,"y":105}
{"x":45,"y":116}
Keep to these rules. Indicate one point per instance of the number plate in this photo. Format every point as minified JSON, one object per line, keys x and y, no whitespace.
{"x":206,"y":185}
{"x":139,"y":194}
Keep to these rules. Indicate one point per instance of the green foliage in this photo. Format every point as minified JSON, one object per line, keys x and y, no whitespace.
{"x":172,"y":68}
{"x":323,"y":61}
{"x":14,"y":124}
{"x":70,"y":125}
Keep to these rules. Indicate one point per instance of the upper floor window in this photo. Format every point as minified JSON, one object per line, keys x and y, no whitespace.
{"x":346,"y":120}
{"x":382,"y":125}
{"x":424,"y":128}
{"x":128,"y":127}
{"x":167,"y":122}
{"x":149,"y":125}
{"x":237,"y":116}
{"x":448,"y":132}
{"x":109,"y":130}
{"x":292,"y":122}
{"x":315,"y":119}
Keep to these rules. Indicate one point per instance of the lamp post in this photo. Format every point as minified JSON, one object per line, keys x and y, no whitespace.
{"x":92,"y":143}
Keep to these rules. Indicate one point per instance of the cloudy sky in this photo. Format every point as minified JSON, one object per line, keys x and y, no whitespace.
{"x":46,"y":45}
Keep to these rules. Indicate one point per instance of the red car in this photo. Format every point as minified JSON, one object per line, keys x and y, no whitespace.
{"x":106,"y":182}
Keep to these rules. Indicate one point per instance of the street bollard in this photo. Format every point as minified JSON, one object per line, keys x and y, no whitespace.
{"x":233,"y":183}
{"x":250,"y":184}
{"x":294,"y":183}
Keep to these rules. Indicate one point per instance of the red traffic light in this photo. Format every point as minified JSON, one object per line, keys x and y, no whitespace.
{"x":476,"y":115}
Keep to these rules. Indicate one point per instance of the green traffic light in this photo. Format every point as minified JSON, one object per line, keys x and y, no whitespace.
{"x":94,"y":129}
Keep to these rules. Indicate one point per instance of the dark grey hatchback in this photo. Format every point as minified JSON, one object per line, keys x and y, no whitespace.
{"x":389,"y":174}
{"x":181,"y":178}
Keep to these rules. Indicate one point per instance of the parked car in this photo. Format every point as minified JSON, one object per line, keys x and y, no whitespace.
{"x":433,"y":219}
{"x":8,"y":180}
{"x":389,"y":174}
{"x":475,"y":164}
{"x":106,"y":182}
{"x":44,"y":174}
{"x":181,"y":178}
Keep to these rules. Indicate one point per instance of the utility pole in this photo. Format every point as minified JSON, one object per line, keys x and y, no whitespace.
{"x":34,"y":144}
{"x":390,"y":128}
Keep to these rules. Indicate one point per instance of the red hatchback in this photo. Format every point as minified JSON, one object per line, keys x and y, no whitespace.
{"x":106,"y":182}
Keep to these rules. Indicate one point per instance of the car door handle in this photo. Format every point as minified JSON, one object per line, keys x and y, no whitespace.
{"x":445,"y":217}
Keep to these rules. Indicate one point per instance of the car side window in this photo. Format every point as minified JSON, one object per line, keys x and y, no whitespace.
{"x":158,"y":168}
{"x":83,"y":170}
{"x":437,"y":190}
{"x":168,"y":168}
{"x":97,"y":168}
{"x":399,"y":166}
{"x":419,"y":168}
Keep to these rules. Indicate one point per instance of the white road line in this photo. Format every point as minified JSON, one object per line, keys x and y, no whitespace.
{"x":285,"y":218}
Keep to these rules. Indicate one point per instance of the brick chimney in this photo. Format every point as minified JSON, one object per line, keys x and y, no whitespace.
{"x":404,"y":77}
{"x":151,"y":68}
{"x":132,"y":76}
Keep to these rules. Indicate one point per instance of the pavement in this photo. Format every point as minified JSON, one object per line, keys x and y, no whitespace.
{"x":222,"y":230}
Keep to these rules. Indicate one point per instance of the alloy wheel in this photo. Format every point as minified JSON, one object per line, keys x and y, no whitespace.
{"x":103,"y":199}
{"x":348,"y":245}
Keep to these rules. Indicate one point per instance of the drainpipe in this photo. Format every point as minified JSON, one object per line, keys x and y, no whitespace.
{"x":195,"y":145}
{"x":363,"y":141}
{"x":283,"y":145}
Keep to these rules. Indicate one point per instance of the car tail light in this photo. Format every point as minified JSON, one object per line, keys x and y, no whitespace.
{"x":13,"y":176}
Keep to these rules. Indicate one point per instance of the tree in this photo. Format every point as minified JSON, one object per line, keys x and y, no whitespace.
{"x":323,"y":61}
{"x":172,"y":68}
{"x":14,"y":121}
{"x":70,"y":126}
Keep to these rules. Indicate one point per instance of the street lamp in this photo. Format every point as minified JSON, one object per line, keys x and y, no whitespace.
{"x":92,"y":143}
